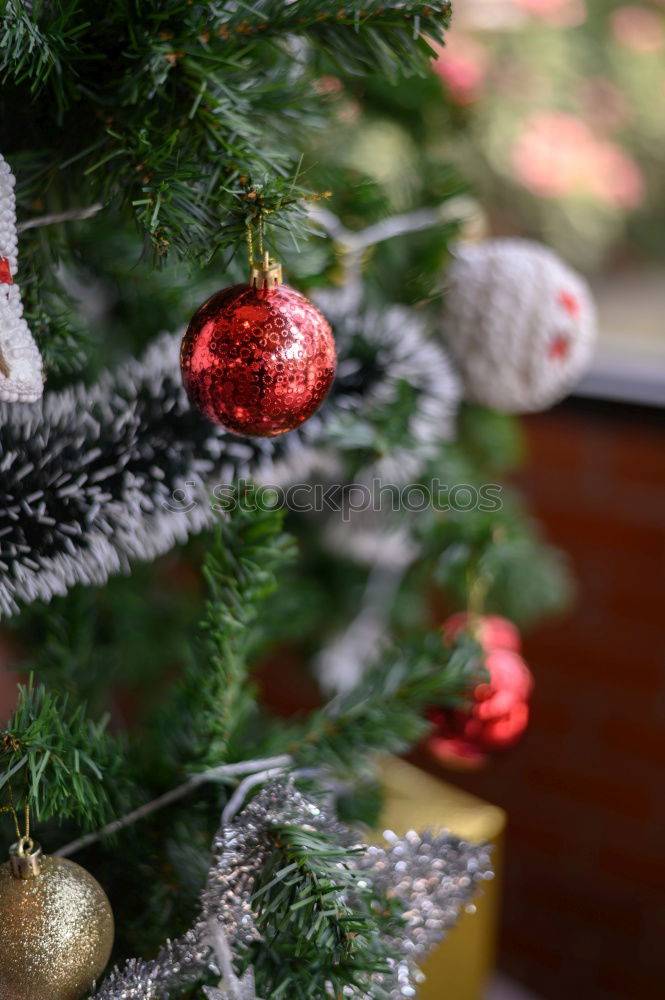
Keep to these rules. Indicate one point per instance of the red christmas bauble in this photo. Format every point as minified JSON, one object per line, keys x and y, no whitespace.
{"x":258,"y":361}
{"x":498,"y":712}
{"x":458,"y":755}
{"x":491,"y":631}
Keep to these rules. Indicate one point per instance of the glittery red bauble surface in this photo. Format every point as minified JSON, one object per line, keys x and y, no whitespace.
{"x":258,"y":362}
{"x":499,"y":710}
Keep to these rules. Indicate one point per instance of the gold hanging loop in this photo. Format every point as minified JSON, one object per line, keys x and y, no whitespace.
{"x":265,"y":273}
{"x":26,"y":858}
{"x":262,"y":232}
{"x":250,"y":244}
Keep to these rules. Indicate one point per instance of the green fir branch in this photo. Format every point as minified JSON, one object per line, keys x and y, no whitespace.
{"x":315,"y":913}
{"x":34,"y":52}
{"x":216,"y":692}
{"x":387,"y":38}
{"x":179,"y":113}
{"x":385,"y":712}
{"x":57,"y":760}
{"x":503,"y":547}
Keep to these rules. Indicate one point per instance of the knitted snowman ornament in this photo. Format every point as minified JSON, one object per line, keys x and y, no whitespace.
{"x":519,"y":323}
{"x":21,"y":379}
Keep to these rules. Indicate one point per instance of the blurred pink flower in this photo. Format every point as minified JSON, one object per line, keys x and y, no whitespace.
{"x":546,"y":155}
{"x":558,"y":13}
{"x":462,"y":65}
{"x":603,"y":104}
{"x":557,"y":154}
{"x":638,"y":28}
{"x":617,"y":179}
{"x":541,"y":6}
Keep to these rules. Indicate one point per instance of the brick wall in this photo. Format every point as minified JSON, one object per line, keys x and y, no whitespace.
{"x":584,"y":906}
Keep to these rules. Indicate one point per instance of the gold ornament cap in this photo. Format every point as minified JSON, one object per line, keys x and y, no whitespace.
{"x":266,"y":274}
{"x":25,"y":858}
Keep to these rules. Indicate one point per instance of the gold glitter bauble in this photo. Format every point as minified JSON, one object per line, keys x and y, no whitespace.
{"x":56,"y":931}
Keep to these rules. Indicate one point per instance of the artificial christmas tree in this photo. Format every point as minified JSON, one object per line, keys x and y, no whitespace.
{"x":152,"y":145}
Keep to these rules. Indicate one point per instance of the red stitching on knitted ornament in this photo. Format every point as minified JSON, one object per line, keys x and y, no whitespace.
{"x":5,"y":273}
{"x":570,"y":303}
{"x":559,"y":348}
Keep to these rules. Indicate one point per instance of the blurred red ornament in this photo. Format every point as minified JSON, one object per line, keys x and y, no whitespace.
{"x":491,"y":631}
{"x":462,"y":65}
{"x":258,"y":359}
{"x":499,"y":710}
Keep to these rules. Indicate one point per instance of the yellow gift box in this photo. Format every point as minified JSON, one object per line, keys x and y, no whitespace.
{"x":458,"y":969}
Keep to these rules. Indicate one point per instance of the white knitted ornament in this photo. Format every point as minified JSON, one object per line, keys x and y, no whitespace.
{"x":21,"y":378}
{"x":519,"y":323}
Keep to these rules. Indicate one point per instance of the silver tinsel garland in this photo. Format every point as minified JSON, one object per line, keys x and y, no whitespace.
{"x":434,"y":876}
{"x":232,"y":987}
{"x":240,"y":851}
{"x":93,"y":478}
{"x":244,"y":989}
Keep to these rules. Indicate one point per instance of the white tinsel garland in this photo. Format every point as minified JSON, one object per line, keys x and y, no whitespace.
{"x":367,"y":529}
{"x":93,"y":478}
{"x":21,"y":378}
{"x":396,"y":341}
